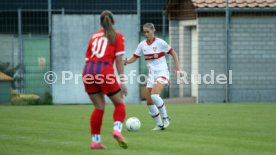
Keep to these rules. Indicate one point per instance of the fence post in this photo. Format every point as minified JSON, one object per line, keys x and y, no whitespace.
{"x":62,"y":11}
{"x":50,"y":17}
{"x":50,"y":37}
{"x":139,"y":15}
{"x":139,"y":35}
{"x":227,"y":39}
{"x":163,"y":24}
{"x":20,"y":50}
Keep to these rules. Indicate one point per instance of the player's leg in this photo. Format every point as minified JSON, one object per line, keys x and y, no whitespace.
{"x":152,"y":107}
{"x":153,"y":110}
{"x":96,"y":119}
{"x":112,"y":89}
{"x":119,"y":115}
{"x":158,"y":101}
{"x":119,"y":112}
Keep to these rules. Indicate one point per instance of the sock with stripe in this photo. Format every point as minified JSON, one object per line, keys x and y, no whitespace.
{"x":157,"y":100}
{"x":96,"y":138}
{"x":96,"y":124}
{"x":119,"y":115}
{"x":155,"y":114}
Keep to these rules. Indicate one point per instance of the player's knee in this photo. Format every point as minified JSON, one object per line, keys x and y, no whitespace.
{"x":100,"y":106}
{"x":154,"y":96}
{"x":149,"y":102}
{"x":116,"y":98}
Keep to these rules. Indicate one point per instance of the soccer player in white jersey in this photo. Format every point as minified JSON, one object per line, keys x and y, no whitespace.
{"x":154,"y":49}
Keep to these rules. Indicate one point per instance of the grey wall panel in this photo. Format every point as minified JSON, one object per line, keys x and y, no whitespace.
{"x":252,"y":58}
{"x":6,"y":46}
{"x":70,"y":38}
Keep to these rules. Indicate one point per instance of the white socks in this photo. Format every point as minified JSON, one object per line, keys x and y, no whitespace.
{"x":96,"y":138}
{"x":155,"y":114}
{"x":118,"y":126}
{"x":157,"y":100}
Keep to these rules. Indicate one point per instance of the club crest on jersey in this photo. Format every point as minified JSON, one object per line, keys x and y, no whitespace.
{"x":154,"y":49}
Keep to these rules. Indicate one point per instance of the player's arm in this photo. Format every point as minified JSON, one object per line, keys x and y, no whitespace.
{"x":130,"y":60}
{"x":120,"y":64}
{"x":165,"y":47}
{"x":135,"y":56}
{"x":175,"y":59}
{"x":120,"y":69}
{"x":119,"y":60}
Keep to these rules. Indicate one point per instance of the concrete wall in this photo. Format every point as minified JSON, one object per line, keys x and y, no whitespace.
{"x":181,"y":42}
{"x":212,"y":56}
{"x":9,"y":49}
{"x":252,"y":58}
{"x":174,"y":37}
{"x":71,"y":34}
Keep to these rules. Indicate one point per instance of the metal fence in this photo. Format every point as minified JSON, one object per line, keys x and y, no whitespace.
{"x":218,"y":36}
{"x":29,"y":23}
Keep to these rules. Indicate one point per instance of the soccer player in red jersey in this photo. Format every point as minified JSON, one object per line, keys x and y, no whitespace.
{"x":105,"y":47}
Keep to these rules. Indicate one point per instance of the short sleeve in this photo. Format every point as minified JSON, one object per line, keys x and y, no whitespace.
{"x":139,"y":51}
{"x":120,"y":45}
{"x":165,"y":47}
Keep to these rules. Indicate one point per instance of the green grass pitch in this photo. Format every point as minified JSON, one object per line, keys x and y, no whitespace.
{"x":203,"y":129}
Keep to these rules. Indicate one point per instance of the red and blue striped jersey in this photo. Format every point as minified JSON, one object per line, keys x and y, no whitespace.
{"x":100,"y":54}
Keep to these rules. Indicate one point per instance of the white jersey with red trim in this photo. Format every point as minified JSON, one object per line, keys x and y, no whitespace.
{"x":154,"y":53}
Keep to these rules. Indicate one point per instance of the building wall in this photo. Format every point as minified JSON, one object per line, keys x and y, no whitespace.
{"x":252,"y":58}
{"x":212,"y":57}
{"x":181,"y":41}
{"x":174,"y":37}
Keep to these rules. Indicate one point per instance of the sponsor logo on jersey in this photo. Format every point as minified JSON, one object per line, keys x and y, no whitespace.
{"x":154,"y":49}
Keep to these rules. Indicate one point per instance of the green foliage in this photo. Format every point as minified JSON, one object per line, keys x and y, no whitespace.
{"x":31,"y":99}
{"x":46,"y":99}
{"x":24,"y":99}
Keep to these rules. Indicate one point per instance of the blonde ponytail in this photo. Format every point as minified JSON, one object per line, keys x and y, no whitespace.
{"x":107,"y":23}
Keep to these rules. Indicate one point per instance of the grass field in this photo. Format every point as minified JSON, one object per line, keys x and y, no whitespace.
{"x":207,"y":129}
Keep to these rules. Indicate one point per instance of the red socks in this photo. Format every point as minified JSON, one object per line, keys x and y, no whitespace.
{"x":96,"y":121}
{"x":96,"y":118}
{"x":119,"y":113}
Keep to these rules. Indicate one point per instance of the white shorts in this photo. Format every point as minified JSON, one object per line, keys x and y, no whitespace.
{"x":162,"y":76}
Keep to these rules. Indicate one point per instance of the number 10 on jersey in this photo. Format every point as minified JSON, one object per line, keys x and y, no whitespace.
{"x":99,"y":47}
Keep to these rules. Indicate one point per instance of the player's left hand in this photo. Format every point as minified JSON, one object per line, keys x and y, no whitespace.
{"x":179,"y":73}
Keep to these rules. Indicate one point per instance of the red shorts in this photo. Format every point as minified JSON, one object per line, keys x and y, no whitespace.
{"x":101,"y":83}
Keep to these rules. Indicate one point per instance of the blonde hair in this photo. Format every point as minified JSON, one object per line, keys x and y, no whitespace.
{"x":107,"y":22}
{"x":150,"y":26}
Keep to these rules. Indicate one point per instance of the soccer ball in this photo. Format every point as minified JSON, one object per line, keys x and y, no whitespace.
{"x":133,"y":124}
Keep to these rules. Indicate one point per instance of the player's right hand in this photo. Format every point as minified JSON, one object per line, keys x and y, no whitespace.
{"x":124,"y":89}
